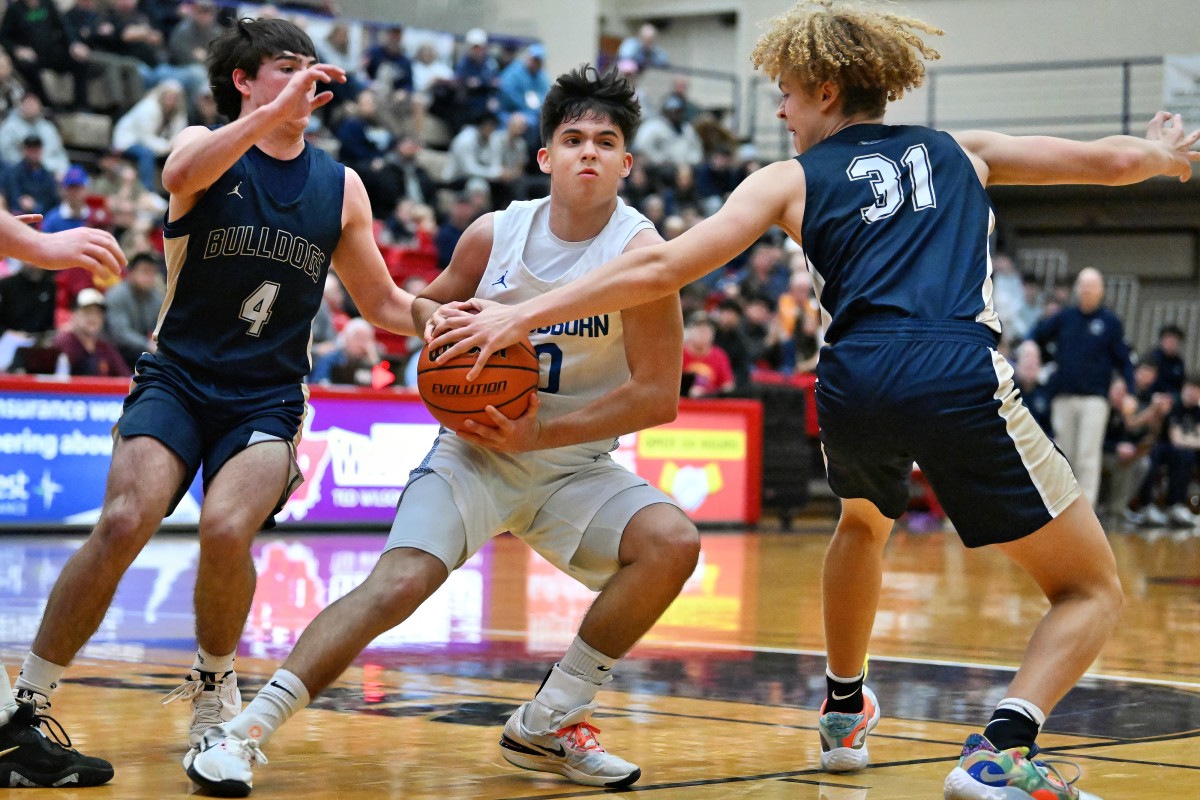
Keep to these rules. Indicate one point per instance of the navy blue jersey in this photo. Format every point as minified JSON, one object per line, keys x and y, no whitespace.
{"x":246,"y":271}
{"x":896,"y":224}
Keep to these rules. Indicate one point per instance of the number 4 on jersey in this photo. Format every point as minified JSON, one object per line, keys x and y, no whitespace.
{"x":884,"y":175}
{"x":256,"y":309}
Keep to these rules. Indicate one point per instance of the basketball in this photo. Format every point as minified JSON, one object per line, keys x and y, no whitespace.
{"x":506,"y":382}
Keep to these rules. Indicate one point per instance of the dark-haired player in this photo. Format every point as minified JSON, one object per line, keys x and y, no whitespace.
{"x":256,"y":217}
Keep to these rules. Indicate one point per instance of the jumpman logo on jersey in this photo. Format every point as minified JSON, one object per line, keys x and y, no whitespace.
{"x":237,"y":191}
{"x":500,"y":281}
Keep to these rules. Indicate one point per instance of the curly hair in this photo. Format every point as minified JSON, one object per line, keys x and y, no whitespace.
{"x":243,"y":46}
{"x":872,"y":55}
{"x":584,"y":92}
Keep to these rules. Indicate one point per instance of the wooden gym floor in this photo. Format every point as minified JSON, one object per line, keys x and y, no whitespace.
{"x":719,"y":701}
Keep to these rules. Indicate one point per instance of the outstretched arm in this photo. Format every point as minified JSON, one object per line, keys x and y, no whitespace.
{"x":90,"y":248}
{"x":774,"y":194}
{"x":361,"y":269}
{"x":1111,"y":161}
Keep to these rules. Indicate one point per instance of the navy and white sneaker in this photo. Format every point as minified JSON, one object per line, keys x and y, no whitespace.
{"x":30,"y":758}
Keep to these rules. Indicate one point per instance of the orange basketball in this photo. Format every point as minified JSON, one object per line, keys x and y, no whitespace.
{"x":506,"y":382}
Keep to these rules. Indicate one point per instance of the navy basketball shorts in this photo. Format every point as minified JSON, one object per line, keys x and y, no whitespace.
{"x":936,"y":393}
{"x":207,"y":422}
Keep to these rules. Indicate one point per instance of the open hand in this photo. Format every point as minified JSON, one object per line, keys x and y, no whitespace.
{"x":1177,"y":141}
{"x":494,"y":326}
{"x":299,"y":98}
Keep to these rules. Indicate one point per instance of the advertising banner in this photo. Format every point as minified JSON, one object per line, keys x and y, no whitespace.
{"x":356,"y":453}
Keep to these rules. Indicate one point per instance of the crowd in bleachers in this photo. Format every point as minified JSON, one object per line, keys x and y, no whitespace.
{"x":442,"y":129}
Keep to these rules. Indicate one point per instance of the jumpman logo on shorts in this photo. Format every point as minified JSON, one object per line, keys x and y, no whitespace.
{"x":237,"y":191}
{"x":500,"y":281}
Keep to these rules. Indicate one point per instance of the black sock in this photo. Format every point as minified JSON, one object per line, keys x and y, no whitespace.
{"x":844,"y":697}
{"x":1010,"y":728}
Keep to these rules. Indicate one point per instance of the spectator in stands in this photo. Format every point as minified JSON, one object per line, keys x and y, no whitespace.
{"x":11,"y":88}
{"x":1183,"y":429}
{"x":680,"y":87}
{"x":1153,"y":408}
{"x":202,"y":108}
{"x":523,"y":85}
{"x":26,"y":121}
{"x":30,"y":188}
{"x":1171,"y":369}
{"x":72,"y":212}
{"x":643,"y":48}
{"x":187,"y":45}
{"x":164,"y":15}
{"x":355,"y":358}
{"x":478,"y":79}
{"x":1131,"y":433}
{"x":1029,"y":376}
{"x":433,"y":83}
{"x":335,"y":48}
{"x":476,"y":151}
{"x":637,"y":185}
{"x":134,"y":34}
{"x":399,"y":176}
{"x":144,"y":132}
{"x":681,"y":193}
{"x":729,"y":335}
{"x":391,"y":73}
{"x":365,"y":138}
{"x":1008,"y":297}
{"x":117,"y":179}
{"x":1089,"y":345}
{"x":388,"y":66}
{"x":27,"y":301}
{"x":133,"y":306}
{"x":665,"y":141}
{"x":461,"y":215}
{"x":121,"y":74}
{"x":799,"y":320}
{"x":38,"y":37}
{"x":83,"y":341}
{"x":767,"y":275}
{"x":716,"y":178}
{"x":706,"y":368}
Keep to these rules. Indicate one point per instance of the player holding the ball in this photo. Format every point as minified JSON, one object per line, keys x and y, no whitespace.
{"x":546,"y":476}
{"x":895,"y":222}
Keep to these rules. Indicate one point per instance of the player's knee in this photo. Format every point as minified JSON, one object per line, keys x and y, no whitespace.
{"x":676,"y":543}
{"x":124,"y":528}
{"x":400,"y":583}
{"x":224,"y":537}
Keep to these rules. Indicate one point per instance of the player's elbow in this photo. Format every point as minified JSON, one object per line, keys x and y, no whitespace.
{"x":663,"y":408}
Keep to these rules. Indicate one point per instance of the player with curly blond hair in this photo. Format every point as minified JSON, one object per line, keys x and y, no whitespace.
{"x":895,"y":220}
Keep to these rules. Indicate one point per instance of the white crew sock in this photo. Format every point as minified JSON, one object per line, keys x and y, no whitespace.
{"x":39,"y":675}
{"x":207,"y":662}
{"x":274,"y":705}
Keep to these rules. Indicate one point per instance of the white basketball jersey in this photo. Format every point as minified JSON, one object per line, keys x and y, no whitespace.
{"x":580,"y":359}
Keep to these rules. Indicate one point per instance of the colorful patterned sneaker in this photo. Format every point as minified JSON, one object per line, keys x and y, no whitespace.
{"x":984,"y":773}
{"x":214,"y":700}
{"x":224,"y":765}
{"x":28,"y":757}
{"x":571,"y":750}
{"x":844,"y":736}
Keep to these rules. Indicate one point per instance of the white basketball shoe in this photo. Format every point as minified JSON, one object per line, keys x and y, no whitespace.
{"x":214,"y":700}
{"x":224,"y":765}
{"x":570,"y":750}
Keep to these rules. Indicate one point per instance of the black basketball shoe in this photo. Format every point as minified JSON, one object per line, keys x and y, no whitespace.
{"x":28,"y":757}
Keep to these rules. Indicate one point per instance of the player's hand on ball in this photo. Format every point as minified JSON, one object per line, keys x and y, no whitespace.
{"x":506,"y":435}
